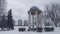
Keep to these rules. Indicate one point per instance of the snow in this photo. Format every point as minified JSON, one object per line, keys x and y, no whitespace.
{"x":15,"y":31}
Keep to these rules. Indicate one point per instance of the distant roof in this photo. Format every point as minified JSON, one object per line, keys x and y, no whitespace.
{"x":34,"y":8}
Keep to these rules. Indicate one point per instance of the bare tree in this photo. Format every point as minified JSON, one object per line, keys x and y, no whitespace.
{"x":53,"y":11}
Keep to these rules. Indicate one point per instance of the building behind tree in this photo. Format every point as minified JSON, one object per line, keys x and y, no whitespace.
{"x":25,"y":23}
{"x":19,"y":22}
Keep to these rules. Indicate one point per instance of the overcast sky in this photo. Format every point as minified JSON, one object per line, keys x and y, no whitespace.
{"x":21,"y":7}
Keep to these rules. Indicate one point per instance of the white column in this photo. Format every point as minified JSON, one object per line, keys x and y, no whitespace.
{"x":40,"y":24}
{"x":29,"y":19}
{"x":37,"y":25}
{"x":32,"y":21}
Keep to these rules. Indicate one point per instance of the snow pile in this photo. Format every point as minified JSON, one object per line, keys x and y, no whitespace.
{"x":57,"y":29}
{"x":15,"y":31}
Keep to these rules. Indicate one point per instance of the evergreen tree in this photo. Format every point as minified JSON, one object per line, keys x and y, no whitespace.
{"x":3,"y":22}
{"x":10,"y":20}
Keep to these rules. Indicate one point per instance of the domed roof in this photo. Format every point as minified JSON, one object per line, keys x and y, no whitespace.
{"x":34,"y":8}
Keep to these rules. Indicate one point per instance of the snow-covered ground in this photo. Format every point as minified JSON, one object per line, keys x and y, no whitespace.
{"x":15,"y":31}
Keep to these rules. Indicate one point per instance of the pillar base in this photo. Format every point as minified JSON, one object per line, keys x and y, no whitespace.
{"x":29,"y":28}
{"x":33,"y":29}
{"x":39,"y":29}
